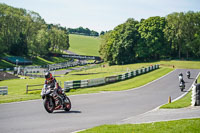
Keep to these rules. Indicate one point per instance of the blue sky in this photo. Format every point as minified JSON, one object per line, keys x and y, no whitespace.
{"x":101,"y":14}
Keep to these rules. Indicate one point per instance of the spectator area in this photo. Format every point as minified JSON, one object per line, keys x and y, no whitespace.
{"x":18,"y":60}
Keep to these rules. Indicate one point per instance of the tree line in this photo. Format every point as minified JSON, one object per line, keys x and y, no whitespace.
{"x":175,"y":36}
{"x":25,"y":33}
{"x":83,"y":31}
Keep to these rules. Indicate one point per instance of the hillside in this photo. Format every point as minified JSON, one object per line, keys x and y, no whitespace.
{"x":84,"y":45}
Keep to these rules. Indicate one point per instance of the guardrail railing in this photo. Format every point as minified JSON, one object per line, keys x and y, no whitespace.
{"x":3,"y":90}
{"x":106,"y":80}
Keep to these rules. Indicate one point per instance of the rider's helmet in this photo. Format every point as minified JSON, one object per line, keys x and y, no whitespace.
{"x":180,"y":74}
{"x":48,"y":76}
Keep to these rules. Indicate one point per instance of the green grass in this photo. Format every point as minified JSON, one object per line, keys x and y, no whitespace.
{"x":178,"y":126}
{"x":181,"y":103}
{"x":52,"y":60}
{"x":84,"y":45}
{"x":36,"y":61}
{"x":181,"y":64}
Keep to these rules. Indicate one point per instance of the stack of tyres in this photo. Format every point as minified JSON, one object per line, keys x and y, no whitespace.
{"x":198,"y":95}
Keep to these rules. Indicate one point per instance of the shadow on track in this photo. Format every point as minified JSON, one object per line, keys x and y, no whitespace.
{"x":67,"y":112}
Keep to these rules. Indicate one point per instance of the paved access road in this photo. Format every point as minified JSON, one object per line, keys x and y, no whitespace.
{"x":91,"y":110}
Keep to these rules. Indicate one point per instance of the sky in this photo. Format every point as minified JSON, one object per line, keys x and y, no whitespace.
{"x":101,"y":15}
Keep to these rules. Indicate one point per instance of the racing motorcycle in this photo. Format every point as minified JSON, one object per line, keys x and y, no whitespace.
{"x":188,"y":74}
{"x":54,"y":100}
{"x":182,"y":85}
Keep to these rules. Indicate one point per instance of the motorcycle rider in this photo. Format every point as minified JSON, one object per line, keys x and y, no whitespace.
{"x":181,"y":78}
{"x":188,"y":74}
{"x":52,"y":83}
{"x":181,"y":82}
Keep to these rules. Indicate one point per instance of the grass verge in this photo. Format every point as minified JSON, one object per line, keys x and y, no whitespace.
{"x":181,"y":103}
{"x":178,"y":126}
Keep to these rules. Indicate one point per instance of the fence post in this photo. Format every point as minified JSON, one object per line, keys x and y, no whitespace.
{"x":26,"y":89}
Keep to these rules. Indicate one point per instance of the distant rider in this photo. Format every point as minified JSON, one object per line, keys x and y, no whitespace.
{"x":181,"y":82}
{"x":188,"y":74}
{"x":181,"y":78}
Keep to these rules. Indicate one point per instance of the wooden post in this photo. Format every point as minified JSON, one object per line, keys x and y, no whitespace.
{"x":169,"y":99}
{"x":26,"y":89}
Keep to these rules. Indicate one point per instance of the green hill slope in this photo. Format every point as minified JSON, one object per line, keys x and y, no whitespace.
{"x":84,"y":45}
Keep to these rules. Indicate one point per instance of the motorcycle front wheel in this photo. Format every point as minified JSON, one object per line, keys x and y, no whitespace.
{"x":67,"y":105}
{"x":49,"y":105}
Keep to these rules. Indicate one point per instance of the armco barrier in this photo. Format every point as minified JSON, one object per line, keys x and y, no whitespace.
{"x":110,"y":79}
{"x":3,"y":90}
{"x":95,"y":82}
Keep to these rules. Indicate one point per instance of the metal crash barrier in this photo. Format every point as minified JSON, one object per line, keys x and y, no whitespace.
{"x":106,"y":80}
{"x":3,"y":90}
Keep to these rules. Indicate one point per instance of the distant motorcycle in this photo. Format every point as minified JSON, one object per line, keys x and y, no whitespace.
{"x":182,"y":85}
{"x":53,"y":101}
{"x":188,"y":74}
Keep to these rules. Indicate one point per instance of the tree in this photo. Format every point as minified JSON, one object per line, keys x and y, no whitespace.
{"x":24,"y":32}
{"x":119,"y":45}
{"x":152,"y":44}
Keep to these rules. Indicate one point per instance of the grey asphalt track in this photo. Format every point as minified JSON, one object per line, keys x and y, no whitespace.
{"x":89,"y":110}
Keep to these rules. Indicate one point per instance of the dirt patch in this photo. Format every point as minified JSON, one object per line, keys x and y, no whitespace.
{"x":5,"y":76}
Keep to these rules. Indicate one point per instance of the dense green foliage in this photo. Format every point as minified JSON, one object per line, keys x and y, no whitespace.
{"x":174,"y":36}
{"x":83,"y":31}
{"x":25,"y":33}
{"x":119,"y":45}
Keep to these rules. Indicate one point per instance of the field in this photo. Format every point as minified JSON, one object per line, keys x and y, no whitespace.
{"x":84,"y":45}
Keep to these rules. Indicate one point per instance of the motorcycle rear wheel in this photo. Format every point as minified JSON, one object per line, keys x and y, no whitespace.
{"x":48,"y":106}
{"x":67,"y":105}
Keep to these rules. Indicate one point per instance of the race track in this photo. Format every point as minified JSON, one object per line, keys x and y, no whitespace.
{"x":89,"y":110}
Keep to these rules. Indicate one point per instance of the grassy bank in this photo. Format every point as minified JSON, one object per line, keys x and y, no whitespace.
{"x":84,"y":45}
{"x":181,"y":103}
{"x":178,"y":126}
{"x":180,"y":64}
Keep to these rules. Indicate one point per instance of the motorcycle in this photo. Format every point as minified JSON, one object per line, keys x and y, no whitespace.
{"x":182,"y":85}
{"x":53,"y":101}
{"x":188,"y":74}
